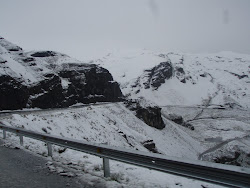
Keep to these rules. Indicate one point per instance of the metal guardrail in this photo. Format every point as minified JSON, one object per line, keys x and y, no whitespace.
{"x":226,"y":175}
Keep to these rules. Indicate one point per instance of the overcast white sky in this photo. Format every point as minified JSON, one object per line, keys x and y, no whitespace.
{"x":87,"y":29}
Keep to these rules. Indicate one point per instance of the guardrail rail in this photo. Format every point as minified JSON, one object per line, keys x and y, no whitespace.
{"x":226,"y":175}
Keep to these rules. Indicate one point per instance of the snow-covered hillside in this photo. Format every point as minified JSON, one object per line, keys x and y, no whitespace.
{"x":209,"y":94}
{"x":111,"y":124}
{"x":182,"y":79}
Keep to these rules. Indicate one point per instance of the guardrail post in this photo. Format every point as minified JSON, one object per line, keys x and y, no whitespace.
{"x":106,"y":167}
{"x":21,"y":140}
{"x":49,"y":149}
{"x":4,"y":134}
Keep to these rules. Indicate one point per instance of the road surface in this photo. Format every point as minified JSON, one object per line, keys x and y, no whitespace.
{"x":20,"y":169}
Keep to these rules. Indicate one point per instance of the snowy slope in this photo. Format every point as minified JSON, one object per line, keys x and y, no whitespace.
{"x":111,"y":124}
{"x":209,"y":91}
{"x":202,"y":79}
{"x":24,"y":66}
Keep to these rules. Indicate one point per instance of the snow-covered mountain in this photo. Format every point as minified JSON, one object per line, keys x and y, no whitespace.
{"x":181,"y":105}
{"x":47,"y":79}
{"x":181,"y":78}
{"x":206,"y":95}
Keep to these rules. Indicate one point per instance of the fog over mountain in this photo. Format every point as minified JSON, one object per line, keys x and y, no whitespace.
{"x":90,"y":29}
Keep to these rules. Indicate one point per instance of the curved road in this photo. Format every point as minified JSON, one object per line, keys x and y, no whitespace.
{"x":20,"y":169}
{"x":219,"y":146}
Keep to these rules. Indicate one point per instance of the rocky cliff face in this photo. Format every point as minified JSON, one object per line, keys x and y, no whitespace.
{"x":47,"y":79}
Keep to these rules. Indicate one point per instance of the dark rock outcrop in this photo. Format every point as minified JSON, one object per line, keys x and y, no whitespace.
{"x":47,"y":94}
{"x":52,"y":82}
{"x":90,"y":84}
{"x":176,"y":118}
{"x":28,"y":59}
{"x":179,"y":120}
{"x":43,"y":54}
{"x":13,"y":95}
{"x":150,"y":145}
{"x":238,"y":158}
{"x":150,"y":115}
{"x":86,"y":86}
{"x":158,"y":74}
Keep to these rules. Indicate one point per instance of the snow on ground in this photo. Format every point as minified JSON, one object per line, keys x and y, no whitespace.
{"x":110,"y":124}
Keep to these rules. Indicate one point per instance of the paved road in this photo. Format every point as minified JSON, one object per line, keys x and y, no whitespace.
{"x":33,"y":111}
{"x":219,"y":146}
{"x":20,"y":169}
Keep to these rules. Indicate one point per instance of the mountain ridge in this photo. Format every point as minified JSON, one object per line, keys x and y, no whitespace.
{"x":221,"y":79}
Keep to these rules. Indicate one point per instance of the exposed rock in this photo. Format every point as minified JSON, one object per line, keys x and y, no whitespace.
{"x":47,"y":94}
{"x":150,"y":145}
{"x":179,"y":120}
{"x":156,"y":76}
{"x":15,"y":49}
{"x":151,"y":115}
{"x":180,"y":74}
{"x":43,"y":54}
{"x":13,"y":94}
{"x":239,"y":159}
{"x":28,"y":59}
{"x":90,"y":84}
{"x":175,"y":118}
{"x":52,"y":82}
{"x":188,"y":125}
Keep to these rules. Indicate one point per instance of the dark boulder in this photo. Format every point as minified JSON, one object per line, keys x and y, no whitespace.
{"x":179,"y":120}
{"x":150,"y":145}
{"x":151,"y":115}
{"x":175,"y":118}
{"x":28,"y":59}
{"x":188,"y":125}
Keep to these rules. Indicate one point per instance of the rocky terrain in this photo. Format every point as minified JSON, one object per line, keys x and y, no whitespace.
{"x":47,"y":79}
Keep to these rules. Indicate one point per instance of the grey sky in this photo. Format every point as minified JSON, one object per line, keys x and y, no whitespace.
{"x":91,"y":28}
